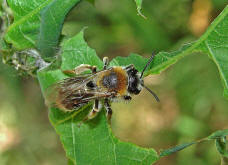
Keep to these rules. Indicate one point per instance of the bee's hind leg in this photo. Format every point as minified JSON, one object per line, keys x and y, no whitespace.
{"x":108,"y":110}
{"x":93,"y":113}
{"x":81,"y":68}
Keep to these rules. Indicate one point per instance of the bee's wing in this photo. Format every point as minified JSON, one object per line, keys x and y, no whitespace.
{"x":71,"y":93}
{"x":63,"y":90}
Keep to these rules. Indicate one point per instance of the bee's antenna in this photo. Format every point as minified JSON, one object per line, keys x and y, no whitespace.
{"x":149,"y":90}
{"x":148,"y":63}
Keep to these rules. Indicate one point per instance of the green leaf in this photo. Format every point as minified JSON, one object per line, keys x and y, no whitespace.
{"x":93,"y":142}
{"x":218,"y":134}
{"x":139,"y":7}
{"x":177,"y":148}
{"x":41,"y":17}
{"x":138,"y":61}
{"x":52,"y":18}
{"x":213,"y":43}
{"x":25,"y":28}
{"x":221,"y":146}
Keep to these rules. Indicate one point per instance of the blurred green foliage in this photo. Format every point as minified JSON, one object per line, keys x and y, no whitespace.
{"x":191,"y":92}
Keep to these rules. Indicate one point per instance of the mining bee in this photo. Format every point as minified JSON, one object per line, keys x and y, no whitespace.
{"x":111,"y":83}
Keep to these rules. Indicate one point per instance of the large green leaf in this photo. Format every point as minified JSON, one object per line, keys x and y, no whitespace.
{"x":93,"y":142}
{"x":25,"y":28}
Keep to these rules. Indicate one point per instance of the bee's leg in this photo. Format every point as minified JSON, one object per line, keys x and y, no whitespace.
{"x":106,"y":62}
{"x":127,"y":98}
{"x":129,"y":67}
{"x":108,"y":110}
{"x":92,"y":113}
{"x":81,"y":68}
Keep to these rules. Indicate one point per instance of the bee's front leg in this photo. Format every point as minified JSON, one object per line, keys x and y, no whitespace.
{"x":129,"y":67}
{"x":81,"y":68}
{"x":106,"y":62}
{"x":108,"y":110}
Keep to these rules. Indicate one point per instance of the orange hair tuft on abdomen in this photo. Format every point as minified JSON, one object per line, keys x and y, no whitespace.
{"x":122,"y":79}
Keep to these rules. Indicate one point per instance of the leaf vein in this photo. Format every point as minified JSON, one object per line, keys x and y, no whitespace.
{"x":216,"y":62}
{"x":73,"y":138}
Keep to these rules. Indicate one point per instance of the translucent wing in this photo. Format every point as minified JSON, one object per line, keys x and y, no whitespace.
{"x":72,"y":93}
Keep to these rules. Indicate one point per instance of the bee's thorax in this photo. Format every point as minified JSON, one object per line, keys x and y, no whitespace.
{"x":110,"y":81}
{"x":114,"y":80}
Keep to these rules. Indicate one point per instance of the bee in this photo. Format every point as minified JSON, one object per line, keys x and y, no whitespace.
{"x":111,"y":83}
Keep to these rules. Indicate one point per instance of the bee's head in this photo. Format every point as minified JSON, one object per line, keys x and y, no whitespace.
{"x":135,"y":79}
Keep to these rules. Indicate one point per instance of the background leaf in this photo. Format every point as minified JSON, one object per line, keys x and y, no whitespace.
{"x":52,"y":18}
{"x":139,"y":7}
{"x":24,"y":32}
{"x":93,"y":142}
{"x":25,"y":28}
{"x":213,"y":42}
{"x":220,"y":142}
{"x":177,"y":148}
{"x":218,"y":134}
{"x":221,"y":146}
